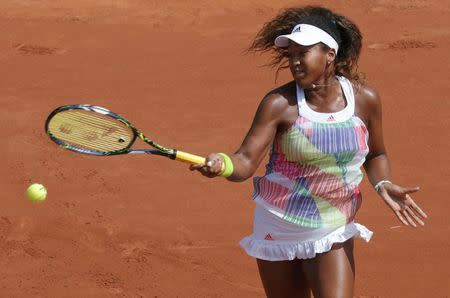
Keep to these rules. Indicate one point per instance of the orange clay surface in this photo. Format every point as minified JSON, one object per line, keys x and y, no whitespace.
{"x":144,"y":226}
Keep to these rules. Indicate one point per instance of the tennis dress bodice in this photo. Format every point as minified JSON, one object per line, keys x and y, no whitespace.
{"x":313,"y":173}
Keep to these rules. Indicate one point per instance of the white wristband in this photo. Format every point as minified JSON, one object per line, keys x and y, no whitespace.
{"x":380,"y":183}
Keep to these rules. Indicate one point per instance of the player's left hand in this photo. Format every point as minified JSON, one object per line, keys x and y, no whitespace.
{"x":401,"y":203}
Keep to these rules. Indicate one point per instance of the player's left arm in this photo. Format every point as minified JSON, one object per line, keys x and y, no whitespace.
{"x":377,"y":164}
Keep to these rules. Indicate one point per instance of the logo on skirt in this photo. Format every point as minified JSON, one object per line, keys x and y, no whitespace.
{"x":268,"y":237}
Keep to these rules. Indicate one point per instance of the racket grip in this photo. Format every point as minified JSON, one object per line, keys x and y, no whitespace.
{"x":190,"y":158}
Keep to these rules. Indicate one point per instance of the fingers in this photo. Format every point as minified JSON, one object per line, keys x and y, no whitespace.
{"x":195,"y":167}
{"x":404,"y":207}
{"x":211,"y":168}
{"x":406,"y":215}
{"x":414,"y":216}
{"x":406,"y":210}
{"x":401,"y":218}
{"x":411,"y":189}
{"x":417,"y":209}
{"x":412,"y":213}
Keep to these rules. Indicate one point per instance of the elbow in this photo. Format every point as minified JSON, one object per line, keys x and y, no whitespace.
{"x":375,"y":155}
{"x":241,"y":177}
{"x":237,"y":178}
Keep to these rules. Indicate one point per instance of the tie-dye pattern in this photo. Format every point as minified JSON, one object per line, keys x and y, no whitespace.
{"x":314,"y":171}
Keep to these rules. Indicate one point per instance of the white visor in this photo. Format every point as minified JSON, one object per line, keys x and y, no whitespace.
{"x":307,"y":35}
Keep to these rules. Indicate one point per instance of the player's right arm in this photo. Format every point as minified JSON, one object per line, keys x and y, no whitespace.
{"x":270,"y":114}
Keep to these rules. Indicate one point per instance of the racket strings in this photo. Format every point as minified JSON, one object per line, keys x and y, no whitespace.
{"x":91,"y":131}
{"x":96,"y":129}
{"x":89,"y":139}
{"x":108,"y":126}
{"x":80,"y":137}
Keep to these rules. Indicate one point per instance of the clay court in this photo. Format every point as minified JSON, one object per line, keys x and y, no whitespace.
{"x":145,"y":226}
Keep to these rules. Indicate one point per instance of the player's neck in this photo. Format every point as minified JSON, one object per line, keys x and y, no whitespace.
{"x":323,"y":91}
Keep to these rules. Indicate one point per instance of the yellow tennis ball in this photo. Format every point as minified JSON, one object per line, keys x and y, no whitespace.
{"x":36,"y":192}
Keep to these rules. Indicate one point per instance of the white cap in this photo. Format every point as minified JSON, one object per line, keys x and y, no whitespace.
{"x":307,"y":35}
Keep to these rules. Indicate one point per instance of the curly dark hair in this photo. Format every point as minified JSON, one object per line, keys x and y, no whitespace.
{"x":346,"y":63}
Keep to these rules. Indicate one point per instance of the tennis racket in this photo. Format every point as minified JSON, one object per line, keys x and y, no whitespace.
{"x":95,"y":130}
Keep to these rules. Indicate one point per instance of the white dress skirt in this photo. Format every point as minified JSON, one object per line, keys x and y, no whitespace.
{"x":275,"y":239}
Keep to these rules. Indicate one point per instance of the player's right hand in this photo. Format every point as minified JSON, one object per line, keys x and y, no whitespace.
{"x":212,"y":168}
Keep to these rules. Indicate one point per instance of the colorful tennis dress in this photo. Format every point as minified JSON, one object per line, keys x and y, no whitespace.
{"x":308,"y":198}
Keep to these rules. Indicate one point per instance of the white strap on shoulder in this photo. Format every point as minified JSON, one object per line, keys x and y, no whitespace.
{"x":347,"y":87}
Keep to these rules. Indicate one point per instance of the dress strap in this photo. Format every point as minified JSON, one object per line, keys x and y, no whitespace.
{"x":301,"y":99}
{"x":347,"y":88}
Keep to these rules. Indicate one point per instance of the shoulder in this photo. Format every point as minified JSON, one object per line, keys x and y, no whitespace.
{"x":367,"y":97}
{"x":278,"y":100}
{"x":367,"y":104}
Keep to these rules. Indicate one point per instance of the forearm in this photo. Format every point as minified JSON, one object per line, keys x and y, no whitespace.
{"x":377,"y":168}
{"x":244,"y":167}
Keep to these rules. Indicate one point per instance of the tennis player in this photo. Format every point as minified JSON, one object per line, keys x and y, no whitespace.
{"x":320,"y":129}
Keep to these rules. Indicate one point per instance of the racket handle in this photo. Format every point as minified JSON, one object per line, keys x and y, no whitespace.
{"x":189,"y":158}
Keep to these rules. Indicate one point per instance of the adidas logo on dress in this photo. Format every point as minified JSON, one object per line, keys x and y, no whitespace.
{"x":331,"y":118}
{"x":268,"y":237}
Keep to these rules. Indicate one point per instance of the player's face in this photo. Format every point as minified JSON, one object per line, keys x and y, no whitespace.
{"x":307,"y":63}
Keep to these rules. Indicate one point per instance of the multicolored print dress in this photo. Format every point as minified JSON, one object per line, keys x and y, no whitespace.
{"x":309,"y":195}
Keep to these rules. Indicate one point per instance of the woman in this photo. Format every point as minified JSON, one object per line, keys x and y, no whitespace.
{"x":320,"y":128}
